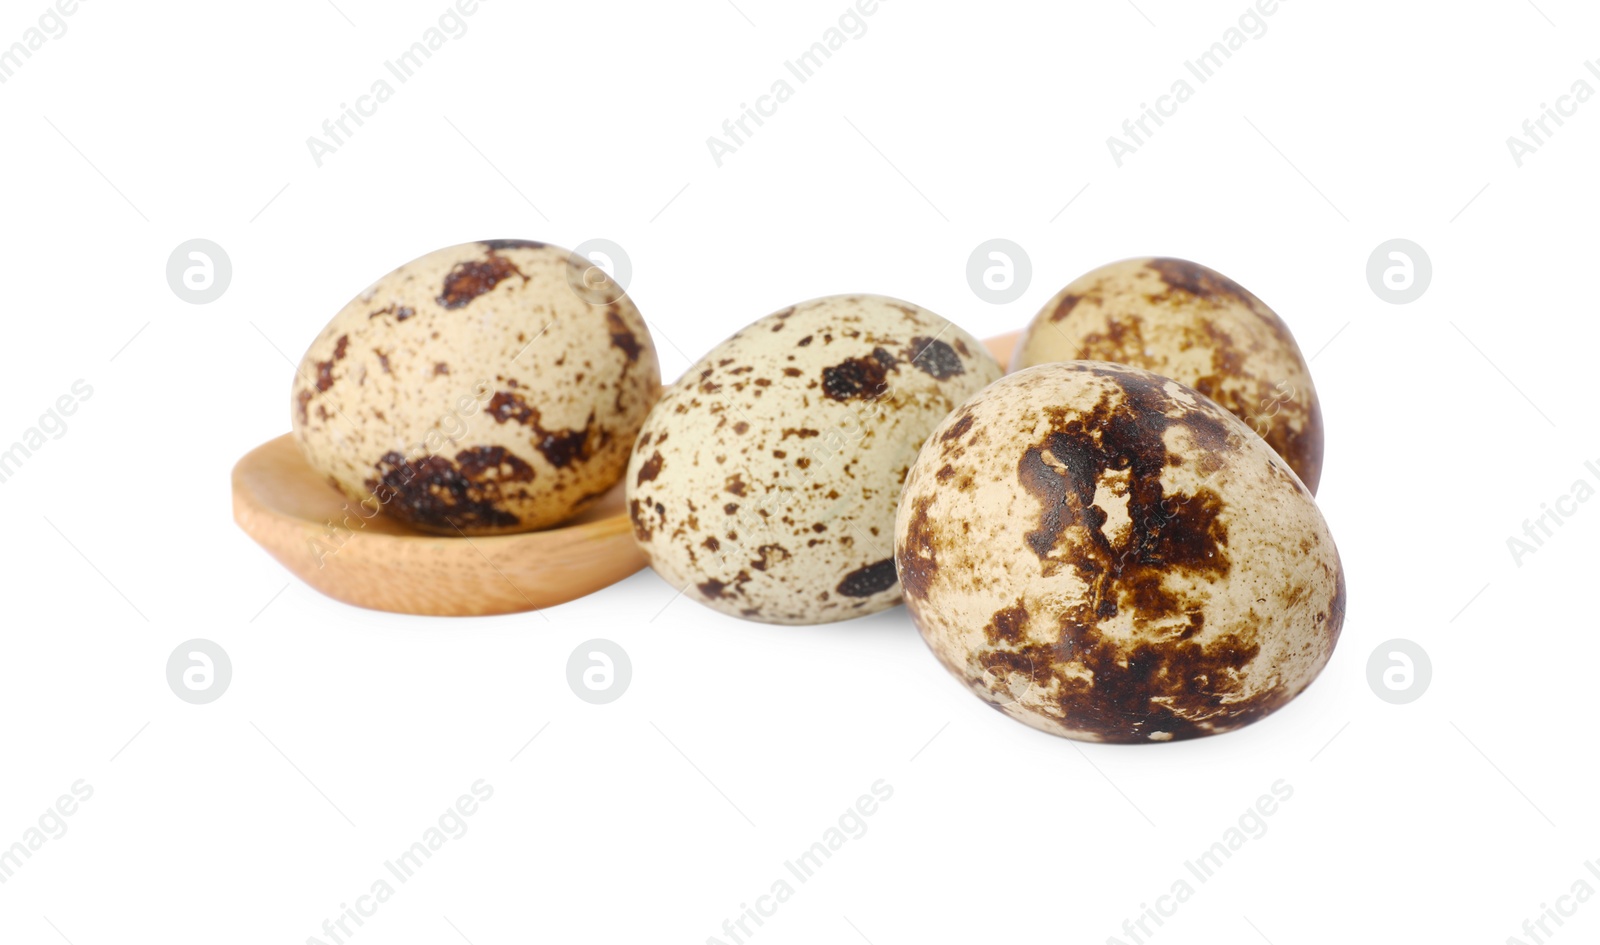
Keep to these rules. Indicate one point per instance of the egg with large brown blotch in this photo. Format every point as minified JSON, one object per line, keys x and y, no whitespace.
{"x":1105,"y":554}
{"x":765,"y":482}
{"x":1198,"y":327}
{"x":482,"y":389}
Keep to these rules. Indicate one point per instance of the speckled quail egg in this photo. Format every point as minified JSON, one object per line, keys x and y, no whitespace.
{"x":1105,"y":554}
{"x":1198,"y":327}
{"x":765,"y":481}
{"x":487,"y":388}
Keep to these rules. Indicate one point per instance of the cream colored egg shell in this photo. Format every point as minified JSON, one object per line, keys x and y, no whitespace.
{"x":1107,"y":555}
{"x":1198,"y":327}
{"x":487,"y":388}
{"x":765,"y":482}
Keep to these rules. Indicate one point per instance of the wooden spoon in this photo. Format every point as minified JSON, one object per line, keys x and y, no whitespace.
{"x":333,"y":545}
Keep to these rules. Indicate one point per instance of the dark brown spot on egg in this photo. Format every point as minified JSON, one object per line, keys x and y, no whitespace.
{"x":768,"y":555}
{"x":868,"y":580}
{"x":716,"y":589}
{"x":1064,"y":471}
{"x":958,"y":429}
{"x":560,"y":448}
{"x":1065,"y":306}
{"x":859,"y":378}
{"x":636,"y":514}
{"x":1333,"y":621}
{"x":325,"y":368}
{"x":622,"y":337}
{"x":435,"y":493}
{"x":508,"y":406}
{"x":475,"y":277}
{"x":399,"y":312}
{"x":302,"y":399}
{"x":917,"y":556}
{"x":650,"y":469}
{"x":1197,"y":281}
{"x":1301,"y":448}
{"x":934,"y":358}
{"x":1007,"y":624}
{"x":479,"y":462}
{"x":1122,"y":342}
{"x":1126,"y":693}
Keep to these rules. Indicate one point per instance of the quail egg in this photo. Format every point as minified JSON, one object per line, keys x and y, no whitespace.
{"x":1198,"y":327}
{"x":1107,"y":555}
{"x":765,"y":481}
{"x":487,"y":388}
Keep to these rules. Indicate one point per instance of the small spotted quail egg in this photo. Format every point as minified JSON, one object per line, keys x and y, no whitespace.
{"x":765,"y":481}
{"x":1198,"y":327}
{"x":487,"y":388}
{"x":1107,"y":555}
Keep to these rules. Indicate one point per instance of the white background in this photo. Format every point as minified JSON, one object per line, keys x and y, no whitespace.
{"x":346,"y":732}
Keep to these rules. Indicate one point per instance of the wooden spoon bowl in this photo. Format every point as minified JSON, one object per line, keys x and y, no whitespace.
{"x":369,"y":560}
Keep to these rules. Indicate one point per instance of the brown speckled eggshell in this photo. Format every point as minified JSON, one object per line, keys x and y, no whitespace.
{"x":765,"y":482}
{"x":475,"y":391}
{"x":1198,"y":327}
{"x":1107,"y":555}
